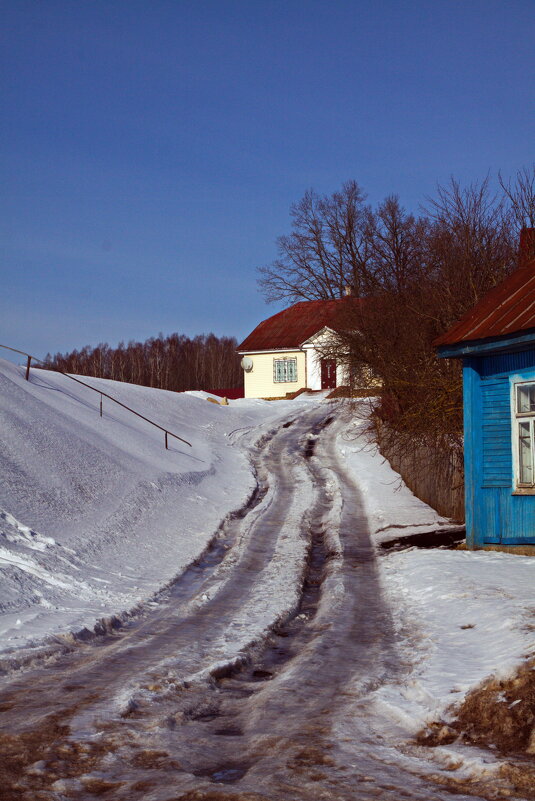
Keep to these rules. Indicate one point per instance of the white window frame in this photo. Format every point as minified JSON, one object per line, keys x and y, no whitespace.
{"x":518,"y":418}
{"x":285,"y":366}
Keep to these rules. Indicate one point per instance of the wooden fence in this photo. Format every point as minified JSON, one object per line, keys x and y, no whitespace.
{"x":434,"y":475}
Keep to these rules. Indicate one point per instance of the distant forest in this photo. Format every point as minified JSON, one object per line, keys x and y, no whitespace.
{"x":175,"y":362}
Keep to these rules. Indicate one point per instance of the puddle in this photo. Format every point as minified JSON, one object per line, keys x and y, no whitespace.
{"x":261,"y":675}
{"x":309,"y":449}
{"x":230,"y":732}
{"x":229,"y":775}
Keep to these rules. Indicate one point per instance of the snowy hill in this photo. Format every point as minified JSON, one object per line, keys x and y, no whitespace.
{"x":95,"y":514}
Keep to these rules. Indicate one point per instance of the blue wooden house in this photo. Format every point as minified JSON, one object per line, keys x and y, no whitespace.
{"x":496,"y":341}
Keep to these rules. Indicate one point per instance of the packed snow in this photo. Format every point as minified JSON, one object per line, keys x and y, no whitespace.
{"x":96,"y":516}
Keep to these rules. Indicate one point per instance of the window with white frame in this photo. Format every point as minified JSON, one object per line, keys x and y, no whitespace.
{"x":524,"y":402}
{"x":284,"y":370}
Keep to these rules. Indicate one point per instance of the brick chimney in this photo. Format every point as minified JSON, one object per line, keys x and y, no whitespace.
{"x":526,"y":250}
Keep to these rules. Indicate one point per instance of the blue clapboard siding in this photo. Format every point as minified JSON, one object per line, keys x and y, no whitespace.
{"x":494,"y":514}
{"x":496,"y":432}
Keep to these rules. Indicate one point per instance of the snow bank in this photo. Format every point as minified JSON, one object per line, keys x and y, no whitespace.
{"x":95,"y":514}
{"x":391,"y":508}
{"x":460,"y":616}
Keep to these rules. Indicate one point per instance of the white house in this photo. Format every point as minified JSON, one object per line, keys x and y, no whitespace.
{"x":289,"y":351}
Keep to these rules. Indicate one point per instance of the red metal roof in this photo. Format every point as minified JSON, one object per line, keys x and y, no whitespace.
{"x":293,"y":326}
{"x":506,"y":309}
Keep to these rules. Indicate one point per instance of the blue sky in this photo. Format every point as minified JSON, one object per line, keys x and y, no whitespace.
{"x":150,"y":151}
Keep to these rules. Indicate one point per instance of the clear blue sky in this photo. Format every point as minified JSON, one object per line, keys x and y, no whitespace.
{"x":151,"y":150}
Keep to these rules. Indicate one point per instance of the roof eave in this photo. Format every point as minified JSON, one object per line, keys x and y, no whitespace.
{"x":269,"y":350}
{"x":483,"y":347}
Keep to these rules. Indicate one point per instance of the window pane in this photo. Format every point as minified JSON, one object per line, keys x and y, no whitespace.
{"x":525,"y":453}
{"x":292,"y":370}
{"x":526,"y":399}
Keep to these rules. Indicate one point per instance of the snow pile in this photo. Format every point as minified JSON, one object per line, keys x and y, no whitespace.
{"x":95,"y":514}
{"x":391,"y":508}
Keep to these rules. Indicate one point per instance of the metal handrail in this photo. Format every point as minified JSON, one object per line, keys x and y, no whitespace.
{"x":100,"y":392}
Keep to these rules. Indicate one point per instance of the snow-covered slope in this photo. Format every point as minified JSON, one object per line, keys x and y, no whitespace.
{"x":95,"y":514}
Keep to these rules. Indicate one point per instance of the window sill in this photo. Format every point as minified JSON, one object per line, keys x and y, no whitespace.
{"x":524,"y":491}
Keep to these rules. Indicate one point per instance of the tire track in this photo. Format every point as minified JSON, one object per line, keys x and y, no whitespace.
{"x":78,"y":686}
{"x":290,"y":718}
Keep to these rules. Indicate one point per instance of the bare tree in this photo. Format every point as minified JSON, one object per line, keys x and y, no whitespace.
{"x":396,"y":242}
{"x":471,"y":247}
{"x":176,"y":362}
{"x":520,"y":195}
{"x":327,"y":251}
{"x":430,"y":270}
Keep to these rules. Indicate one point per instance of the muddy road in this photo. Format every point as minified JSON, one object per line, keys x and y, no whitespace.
{"x":205,"y":694}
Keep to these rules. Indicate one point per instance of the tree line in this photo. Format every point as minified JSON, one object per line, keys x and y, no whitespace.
{"x":416,"y":276}
{"x":175,"y":362}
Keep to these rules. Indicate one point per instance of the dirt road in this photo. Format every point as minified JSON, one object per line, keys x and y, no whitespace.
{"x":157,"y":709}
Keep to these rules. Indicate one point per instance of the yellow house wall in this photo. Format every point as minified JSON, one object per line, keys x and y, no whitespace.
{"x":259,"y":382}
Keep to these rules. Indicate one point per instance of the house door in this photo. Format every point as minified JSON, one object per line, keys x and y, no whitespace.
{"x":328,"y":374}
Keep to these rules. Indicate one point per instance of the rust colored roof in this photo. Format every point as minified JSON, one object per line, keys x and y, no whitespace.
{"x":506,"y":309}
{"x":293,"y":326}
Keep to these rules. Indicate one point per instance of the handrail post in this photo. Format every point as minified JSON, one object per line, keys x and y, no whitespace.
{"x":102,"y":395}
